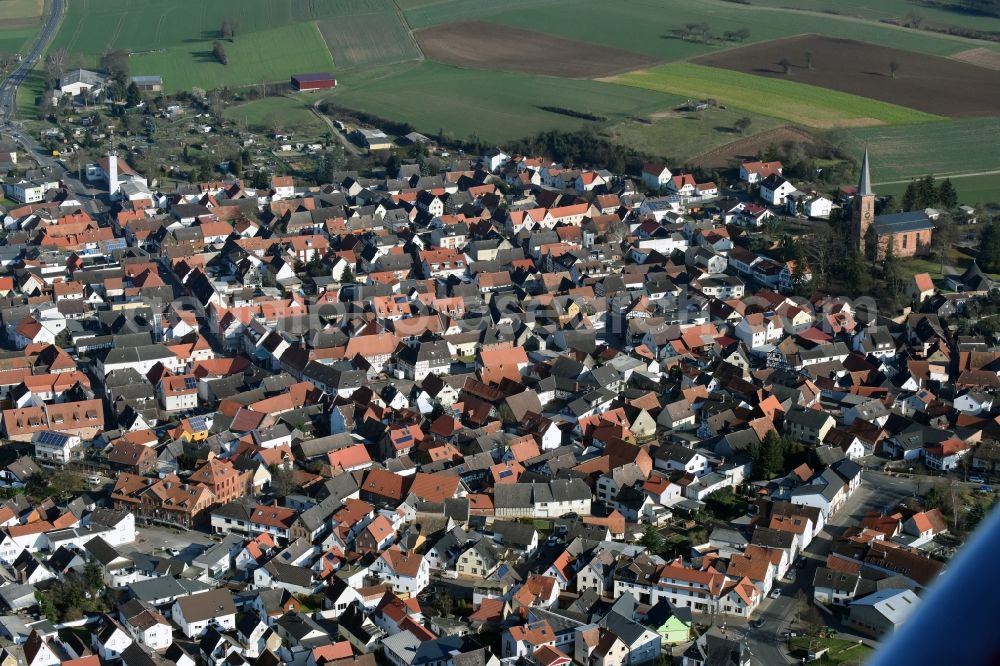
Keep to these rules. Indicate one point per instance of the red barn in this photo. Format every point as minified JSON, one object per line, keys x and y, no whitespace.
{"x":316,"y":81}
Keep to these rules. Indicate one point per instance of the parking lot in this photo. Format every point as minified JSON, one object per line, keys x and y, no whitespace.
{"x":189,"y":543}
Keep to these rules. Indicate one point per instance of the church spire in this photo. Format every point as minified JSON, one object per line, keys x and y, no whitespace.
{"x":865,"y":181}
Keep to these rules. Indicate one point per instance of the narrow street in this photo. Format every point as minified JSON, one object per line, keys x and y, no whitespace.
{"x":878,"y":492}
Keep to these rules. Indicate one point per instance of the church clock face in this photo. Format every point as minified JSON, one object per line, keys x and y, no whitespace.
{"x":868,"y":215}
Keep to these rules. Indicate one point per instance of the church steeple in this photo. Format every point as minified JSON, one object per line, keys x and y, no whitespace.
{"x":865,"y":180}
{"x":863,"y":206}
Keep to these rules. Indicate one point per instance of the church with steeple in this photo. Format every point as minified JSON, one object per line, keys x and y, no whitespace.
{"x":908,"y":234}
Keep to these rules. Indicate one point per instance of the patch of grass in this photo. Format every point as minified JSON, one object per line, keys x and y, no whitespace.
{"x":498,"y":106}
{"x":796,"y":102}
{"x":253,"y":57}
{"x":941,"y":148}
{"x":26,"y":101}
{"x":841,"y":651}
{"x":288,"y":112}
{"x":368,"y":39}
{"x":682,"y":136}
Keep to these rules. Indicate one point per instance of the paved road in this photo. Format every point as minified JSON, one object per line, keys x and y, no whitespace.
{"x":8,"y":106}
{"x":8,"y":89}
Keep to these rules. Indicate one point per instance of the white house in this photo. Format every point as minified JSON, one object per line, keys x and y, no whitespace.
{"x":117,"y":527}
{"x":148,"y":627}
{"x":29,"y":191}
{"x":78,"y":81}
{"x":194,"y":613}
{"x":406,"y":572}
{"x":811,"y":205}
{"x":57,"y":447}
{"x":655,"y":176}
{"x":110,"y":640}
{"x":774,"y":190}
{"x":755,"y":331}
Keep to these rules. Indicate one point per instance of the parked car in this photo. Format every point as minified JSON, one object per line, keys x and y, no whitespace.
{"x":758,"y":623}
{"x":976,"y":479}
{"x":985,"y":489}
{"x":775,"y":593}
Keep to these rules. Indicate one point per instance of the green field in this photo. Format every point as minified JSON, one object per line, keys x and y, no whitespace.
{"x":19,"y":10}
{"x":363,"y":40}
{"x":498,"y":106}
{"x":252,"y":58}
{"x":942,"y":148}
{"x":286,"y":113}
{"x":425,"y":13}
{"x":680,"y":137}
{"x":139,"y":25}
{"x":971,"y":190}
{"x":795,"y":102}
{"x":644,"y":26}
{"x":17,"y":40}
{"x":882,"y":9}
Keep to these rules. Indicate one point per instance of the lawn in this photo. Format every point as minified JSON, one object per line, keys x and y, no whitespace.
{"x":841,"y":651}
{"x":288,"y":113}
{"x":253,"y":57}
{"x":644,"y":26}
{"x":375,"y":38}
{"x":940,"y":148}
{"x":499,"y":106}
{"x":795,"y":102}
{"x":678,"y":137}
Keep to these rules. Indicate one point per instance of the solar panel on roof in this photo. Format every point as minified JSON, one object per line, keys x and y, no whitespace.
{"x":198,"y":423}
{"x":505,"y":473}
{"x":190,"y":382}
{"x":50,"y":438}
{"x":405,"y":438}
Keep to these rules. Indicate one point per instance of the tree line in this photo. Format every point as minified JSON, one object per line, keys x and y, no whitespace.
{"x":925,"y":193}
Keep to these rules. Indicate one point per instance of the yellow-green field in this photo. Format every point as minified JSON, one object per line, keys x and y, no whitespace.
{"x":19,"y":10}
{"x":796,"y":102}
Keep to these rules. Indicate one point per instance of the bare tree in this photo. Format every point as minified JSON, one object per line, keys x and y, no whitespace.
{"x":219,"y":52}
{"x":55,"y":63}
{"x":229,"y":28}
{"x":893,"y":68}
{"x":786,"y":64}
{"x":742,"y":124}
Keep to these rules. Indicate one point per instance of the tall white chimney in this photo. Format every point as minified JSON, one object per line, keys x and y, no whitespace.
{"x":112,"y":173}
